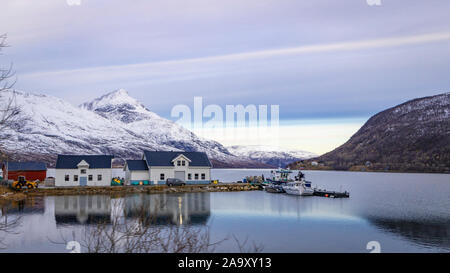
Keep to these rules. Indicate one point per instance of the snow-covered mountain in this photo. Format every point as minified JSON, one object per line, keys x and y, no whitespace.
{"x":114,"y":123}
{"x":275,"y":156}
{"x":412,"y":136}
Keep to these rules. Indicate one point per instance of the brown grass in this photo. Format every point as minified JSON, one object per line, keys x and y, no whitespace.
{"x":7,"y":194}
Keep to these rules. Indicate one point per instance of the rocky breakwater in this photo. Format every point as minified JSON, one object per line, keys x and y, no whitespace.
{"x":120,"y":190}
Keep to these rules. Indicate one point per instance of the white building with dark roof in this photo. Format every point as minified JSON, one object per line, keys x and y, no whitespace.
{"x":155,"y":167}
{"x":83,"y":170}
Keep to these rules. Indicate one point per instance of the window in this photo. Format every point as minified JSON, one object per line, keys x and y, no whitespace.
{"x":90,"y":177}
{"x":203,"y":176}
{"x":183,"y":163}
{"x":196,"y":176}
{"x":66,"y":177}
{"x":161,"y":176}
{"x":83,"y":171}
{"x":179,"y":163}
{"x":99,"y":177}
{"x":75,"y":178}
{"x":189,"y":176}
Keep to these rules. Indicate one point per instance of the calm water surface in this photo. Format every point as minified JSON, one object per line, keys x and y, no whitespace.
{"x":403,"y":212}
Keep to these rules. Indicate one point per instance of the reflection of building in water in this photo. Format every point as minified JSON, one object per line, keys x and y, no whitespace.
{"x":31,"y":205}
{"x":83,"y":209}
{"x":178,"y":209}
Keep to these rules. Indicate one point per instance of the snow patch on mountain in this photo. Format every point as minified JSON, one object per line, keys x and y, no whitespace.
{"x":113,"y":124}
{"x":121,"y":106}
{"x":272,"y":155}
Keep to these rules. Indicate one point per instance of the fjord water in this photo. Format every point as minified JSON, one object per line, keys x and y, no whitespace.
{"x":403,"y":212}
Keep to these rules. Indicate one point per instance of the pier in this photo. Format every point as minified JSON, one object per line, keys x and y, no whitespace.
{"x":331,"y":194}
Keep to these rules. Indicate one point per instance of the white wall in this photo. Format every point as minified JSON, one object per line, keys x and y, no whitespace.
{"x":169,"y":172}
{"x":60,"y":175}
{"x":155,"y":173}
{"x":139,"y":175}
{"x":199,"y":170}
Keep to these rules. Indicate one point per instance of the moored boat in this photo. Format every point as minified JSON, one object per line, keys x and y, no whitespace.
{"x":301,"y":187}
{"x":331,"y":194}
{"x":280,"y":175}
{"x":274,"y":188}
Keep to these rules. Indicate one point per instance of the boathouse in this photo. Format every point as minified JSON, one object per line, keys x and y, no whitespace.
{"x":83,"y":170}
{"x":156,"y":166}
{"x":30,"y":170}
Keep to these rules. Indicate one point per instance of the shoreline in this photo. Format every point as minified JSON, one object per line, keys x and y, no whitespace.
{"x":124,"y":190}
{"x":371,"y":171}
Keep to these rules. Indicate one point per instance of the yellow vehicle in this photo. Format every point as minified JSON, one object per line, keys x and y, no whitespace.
{"x":116,"y":182}
{"x":22,"y":183}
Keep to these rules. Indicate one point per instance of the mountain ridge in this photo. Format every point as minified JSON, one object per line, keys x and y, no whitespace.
{"x":412,"y":136}
{"x":272,"y":155}
{"x":112,"y":124}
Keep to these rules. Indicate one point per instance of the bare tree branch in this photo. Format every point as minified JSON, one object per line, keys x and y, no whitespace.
{"x":142,"y":234}
{"x":9,"y":111}
{"x":5,"y":73}
{"x":8,"y":225}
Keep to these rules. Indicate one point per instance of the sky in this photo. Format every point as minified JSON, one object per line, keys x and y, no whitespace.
{"x":329,"y":65}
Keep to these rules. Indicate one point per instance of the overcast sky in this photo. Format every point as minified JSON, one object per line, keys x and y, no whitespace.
{"x":337,"y":61}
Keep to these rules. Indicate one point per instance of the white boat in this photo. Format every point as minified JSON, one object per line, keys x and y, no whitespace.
{"x":280,"y":176}
{"x":301,"y":187}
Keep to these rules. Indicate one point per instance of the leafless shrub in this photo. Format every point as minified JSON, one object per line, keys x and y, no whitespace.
{"x":245,"y":247}
{"x":9,"y":111}
{"x":8,"y":225}
{"x":143,"y":235}
{"x":5,"y":73}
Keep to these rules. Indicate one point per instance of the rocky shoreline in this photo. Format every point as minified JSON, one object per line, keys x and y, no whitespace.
{"x":123,"y":190}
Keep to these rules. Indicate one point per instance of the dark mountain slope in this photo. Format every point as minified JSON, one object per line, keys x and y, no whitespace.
{"x":413,"y":136}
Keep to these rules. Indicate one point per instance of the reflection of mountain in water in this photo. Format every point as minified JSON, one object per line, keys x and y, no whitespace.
{"x":83,"y":209}
{"x":178,"y":209}
{"x":424,"y":233}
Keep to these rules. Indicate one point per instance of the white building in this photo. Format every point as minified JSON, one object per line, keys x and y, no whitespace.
{"x":156,"y":167}
{"x":83,"y":170}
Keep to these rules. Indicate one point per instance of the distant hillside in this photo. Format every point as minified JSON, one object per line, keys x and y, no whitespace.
{"x":413,"y":136}
{"x":273,"y":156}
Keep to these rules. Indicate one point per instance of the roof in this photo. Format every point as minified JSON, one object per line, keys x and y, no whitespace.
{"x":27,"y":166}
{"x":94,"y":161}
{"x":198,"y":159}
{"x":137,"y":165}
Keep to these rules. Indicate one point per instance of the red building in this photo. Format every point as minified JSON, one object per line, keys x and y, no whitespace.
{"x":30,"y":170}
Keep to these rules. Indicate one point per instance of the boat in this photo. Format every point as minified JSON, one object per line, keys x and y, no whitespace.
{"x":280,"y":176}
{"x":274,"y":188}
{"x":331,"y":194}
{"x":301,"y":187}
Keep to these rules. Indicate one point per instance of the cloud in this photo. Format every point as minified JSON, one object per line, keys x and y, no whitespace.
{"x":155,"y":68}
